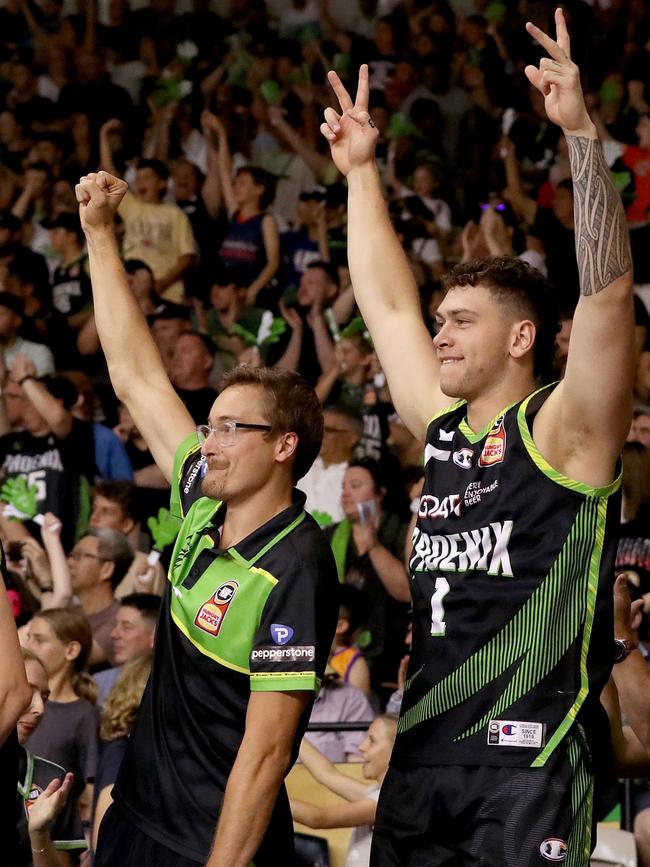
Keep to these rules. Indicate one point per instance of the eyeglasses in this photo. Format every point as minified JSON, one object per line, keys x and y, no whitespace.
{"x":225,"y":432}
{"x":77,"y":555}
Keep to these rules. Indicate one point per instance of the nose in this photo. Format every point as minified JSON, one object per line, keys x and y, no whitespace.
{"x":442,"y":337}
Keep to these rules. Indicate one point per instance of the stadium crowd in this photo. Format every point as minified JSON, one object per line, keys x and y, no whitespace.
{"x":233,"y":236}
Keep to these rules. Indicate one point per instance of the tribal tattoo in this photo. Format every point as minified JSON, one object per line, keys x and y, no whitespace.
{"x":602,"y":239}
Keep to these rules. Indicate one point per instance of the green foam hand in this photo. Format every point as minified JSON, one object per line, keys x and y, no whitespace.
{"x":163,"y":529}
{"x":323,"y":519}
{"x":20,"y":495}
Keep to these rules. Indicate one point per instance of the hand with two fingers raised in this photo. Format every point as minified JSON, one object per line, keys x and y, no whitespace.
{"x":558,"y":79}
{"x":351,"y":134}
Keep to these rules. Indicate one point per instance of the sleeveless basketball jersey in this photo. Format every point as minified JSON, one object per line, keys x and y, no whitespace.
{"x":511,"y":578}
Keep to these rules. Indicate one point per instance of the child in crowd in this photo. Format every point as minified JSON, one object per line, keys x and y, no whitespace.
{"x":67,"y":735}
{"x":359,"y":811}
{"x":346,"y":658}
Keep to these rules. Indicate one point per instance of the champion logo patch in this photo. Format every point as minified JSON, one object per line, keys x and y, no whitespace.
{"x":281,"y":634}
{"x":553,"y":849}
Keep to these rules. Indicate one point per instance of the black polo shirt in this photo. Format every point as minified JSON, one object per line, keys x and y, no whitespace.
{"x":258,"y":616}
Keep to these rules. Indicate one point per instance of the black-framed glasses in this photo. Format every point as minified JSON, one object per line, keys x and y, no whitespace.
{"x":225,"y":432}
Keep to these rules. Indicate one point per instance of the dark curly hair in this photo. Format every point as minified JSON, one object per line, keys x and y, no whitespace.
{"x":526,"y":291}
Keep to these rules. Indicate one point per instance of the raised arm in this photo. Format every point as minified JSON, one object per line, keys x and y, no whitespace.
{"x":583,"y":425}
{"x":136,"y":369}
{"x":384,"y":287}
{"x":14,"y":690}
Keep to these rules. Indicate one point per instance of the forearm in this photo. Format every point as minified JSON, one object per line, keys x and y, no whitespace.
{"x":326,"y":383}
{"x":323,"y":343}
{"x":14,"y":690}
{"x":391,"y":572}
{"x":52,"y":410}
{"x":211,"y":191}
{"x":265,"y":275}
{"x":632,"y":679}
{"x":316,"y":162}
{"x":118,"y":318}
{"x":88,"y":339}
{"x":250,"y":795}
{"x":602,"y":238}
{"x":21,"y":205}
{"x":290,"y":359}
{"x":61,"y":581}
{"x":343,"y":307}
{"x":382,"y":284}
{"x":43,"y":852}
{"x":106,"y":155}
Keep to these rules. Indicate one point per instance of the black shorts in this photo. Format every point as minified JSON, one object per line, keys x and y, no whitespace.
{"x":123,"y":844}
{"x":486,"y":816}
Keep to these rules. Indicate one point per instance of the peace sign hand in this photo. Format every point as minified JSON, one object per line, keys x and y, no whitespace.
{"x":558,"y":79}
{"x":352,"y":134}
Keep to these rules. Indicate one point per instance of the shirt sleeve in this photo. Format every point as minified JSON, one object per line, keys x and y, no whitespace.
{"x":295,"y":634}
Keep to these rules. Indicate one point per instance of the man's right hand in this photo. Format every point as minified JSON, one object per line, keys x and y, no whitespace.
{"x":99,"y":195}
{"x":352,"y":135}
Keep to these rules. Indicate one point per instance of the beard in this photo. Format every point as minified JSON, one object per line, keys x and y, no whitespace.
{"x":213,"y":484}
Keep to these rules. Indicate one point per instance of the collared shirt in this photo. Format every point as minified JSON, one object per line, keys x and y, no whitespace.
{"x":258,"y":616}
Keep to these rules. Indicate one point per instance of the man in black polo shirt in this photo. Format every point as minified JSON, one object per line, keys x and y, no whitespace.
{"x":250,"y":607}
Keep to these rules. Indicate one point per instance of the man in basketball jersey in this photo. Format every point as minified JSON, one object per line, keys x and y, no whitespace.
{"x":512,"y":557}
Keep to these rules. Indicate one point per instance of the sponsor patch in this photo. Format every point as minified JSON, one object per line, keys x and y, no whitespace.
{"x":199,"y":468}
{"x":553,"y":849}
{"x":34,"y":793}
{"x":494,"y":449}
{"x":282,"y":654}
{"x":476,"y":491}
{"x":515,"y":733}
{"x":281,"y":634}
{"x":432,"y":507}
{"x":463,"y":458}
{"x":211,"y":614}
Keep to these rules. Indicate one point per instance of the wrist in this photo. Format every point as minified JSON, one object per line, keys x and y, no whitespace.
{"x":25,"y":378}
{"x":587,"y":130}
{"x":359,"y":176}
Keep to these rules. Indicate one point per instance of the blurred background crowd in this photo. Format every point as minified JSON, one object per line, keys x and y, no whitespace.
{"x":233,"y":236}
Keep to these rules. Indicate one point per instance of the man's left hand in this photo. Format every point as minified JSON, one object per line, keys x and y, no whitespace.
{"x":558,"y":79}
{"x":627,"y":614}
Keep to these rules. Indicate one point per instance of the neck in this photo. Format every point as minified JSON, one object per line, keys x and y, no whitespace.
{"x":245,"y":516}
{"x":61,"y":688}
{"x":249,"y":209}
{"x":355,"y":377}
{"x":333,"y":459}
{"x":97,"y":598}
{"x":483,"y":409}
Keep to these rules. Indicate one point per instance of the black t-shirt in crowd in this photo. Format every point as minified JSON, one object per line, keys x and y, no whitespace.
{"x":259,"y":616}
{"x":61,"y":470}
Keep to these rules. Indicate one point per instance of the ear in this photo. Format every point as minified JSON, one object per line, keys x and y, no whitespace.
{"x":106,"y":570}
{"x":72,"y":650}
{"x":285,"y":447}
{"x":522,"y":338}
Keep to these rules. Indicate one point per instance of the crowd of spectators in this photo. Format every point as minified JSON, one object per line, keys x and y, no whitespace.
{"x":233,"y":237}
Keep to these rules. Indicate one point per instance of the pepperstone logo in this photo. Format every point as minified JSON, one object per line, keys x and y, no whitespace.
{"x":281,"y":634}
{"x":199,"y":468}
{"x":282,"y":654}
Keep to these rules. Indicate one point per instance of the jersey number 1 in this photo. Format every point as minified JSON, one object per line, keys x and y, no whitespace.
{"x":438,"y":625}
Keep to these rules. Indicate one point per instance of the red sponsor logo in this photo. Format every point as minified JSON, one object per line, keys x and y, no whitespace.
{"x":211,"y":614}
{"x":494,"y":449}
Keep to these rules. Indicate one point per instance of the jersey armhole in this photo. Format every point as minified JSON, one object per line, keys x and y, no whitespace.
{"x":445,"y":411}
{"x":550,"y":472}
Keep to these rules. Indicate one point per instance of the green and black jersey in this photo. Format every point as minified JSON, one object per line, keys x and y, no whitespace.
{"x":512,"y":569}
{"x":258,"y":616}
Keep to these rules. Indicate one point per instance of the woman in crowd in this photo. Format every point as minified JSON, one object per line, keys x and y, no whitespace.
{"x":359,"y":811}
{"x":118,"y":718}
{"x":67,"y":735}
{"x":368,"y":546}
